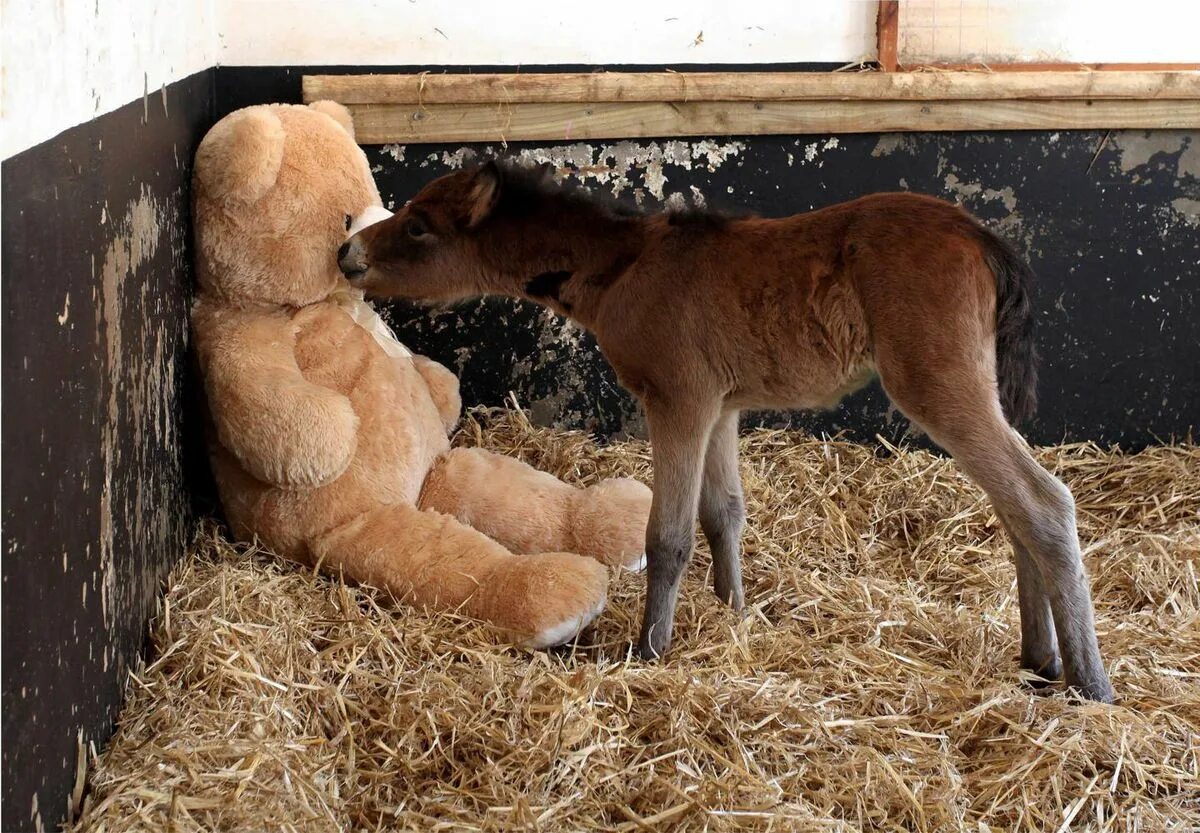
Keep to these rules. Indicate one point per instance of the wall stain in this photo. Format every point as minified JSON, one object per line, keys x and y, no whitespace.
{"x":97,"y":505}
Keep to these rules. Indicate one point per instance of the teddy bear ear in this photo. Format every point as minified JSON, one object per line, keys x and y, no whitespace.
{"x":337,"y":112}
{"x":239,"y":158}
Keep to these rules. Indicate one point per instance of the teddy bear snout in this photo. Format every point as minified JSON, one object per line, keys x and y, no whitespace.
{"x":352,"y":259}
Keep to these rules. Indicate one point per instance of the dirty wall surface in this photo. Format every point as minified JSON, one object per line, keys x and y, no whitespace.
{"x":96,"y":481}
{"x":1110,"y":222}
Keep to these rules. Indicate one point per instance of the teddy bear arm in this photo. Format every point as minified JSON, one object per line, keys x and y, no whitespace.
{"x":443,"y":389}
{"x":282,"y":428}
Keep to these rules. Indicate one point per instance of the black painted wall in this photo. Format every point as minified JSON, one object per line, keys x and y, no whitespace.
{"x":1114,"y":239}
{"x":1110,"y":221}
{"x":96,"y":506}
{"x":102,"y":469}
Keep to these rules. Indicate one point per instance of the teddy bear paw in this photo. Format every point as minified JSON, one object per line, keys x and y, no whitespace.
{"x":610,"y":523}
{"x":545,"y":599}
{"x":636,"y":564}
{"x":558,"y":633}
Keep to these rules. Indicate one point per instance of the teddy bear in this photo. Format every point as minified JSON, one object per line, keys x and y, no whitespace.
{"x":329,"y":440}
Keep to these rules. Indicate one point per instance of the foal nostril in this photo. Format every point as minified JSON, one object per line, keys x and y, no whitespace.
{"x":351,"y":260}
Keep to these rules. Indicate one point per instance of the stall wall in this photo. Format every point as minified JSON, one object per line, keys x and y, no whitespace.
{"x":68,"y":62}
{"x":1064,"y":31}
{"x":531,"y":32}
{"x":104,"y":103}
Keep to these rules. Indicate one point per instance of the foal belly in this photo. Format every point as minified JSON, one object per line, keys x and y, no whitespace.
{"x":803,"y":389}
{"x":811,"y":350}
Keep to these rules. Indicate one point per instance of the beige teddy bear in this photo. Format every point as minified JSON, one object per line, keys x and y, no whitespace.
{"x":329,"y":438}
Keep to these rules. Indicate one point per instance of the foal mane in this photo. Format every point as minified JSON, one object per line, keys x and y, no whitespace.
{"x":526,"y":190}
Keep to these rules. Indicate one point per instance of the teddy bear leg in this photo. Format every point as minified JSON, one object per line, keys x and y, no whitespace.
{"x":432,"y":561}
{"x":532,"y":511}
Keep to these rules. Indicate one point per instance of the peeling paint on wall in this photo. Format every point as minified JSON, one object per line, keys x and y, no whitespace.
{"x":141,"y":384}
{"x":1139,"y":147}
{"x":640,"y":168}
{"x":1189,"y":209}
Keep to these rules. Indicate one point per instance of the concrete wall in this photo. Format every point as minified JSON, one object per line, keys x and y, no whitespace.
{"x":70,"y":61}
{"x":530,"y":32}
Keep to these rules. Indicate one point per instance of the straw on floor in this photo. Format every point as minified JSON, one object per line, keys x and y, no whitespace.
{"x":872,"y":683}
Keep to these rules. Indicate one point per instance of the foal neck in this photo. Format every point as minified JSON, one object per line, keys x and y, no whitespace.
{"x":566,"y":254}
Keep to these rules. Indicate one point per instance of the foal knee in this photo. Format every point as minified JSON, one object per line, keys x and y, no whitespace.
{"x":723,"y":517}
{"x":668,"y":550}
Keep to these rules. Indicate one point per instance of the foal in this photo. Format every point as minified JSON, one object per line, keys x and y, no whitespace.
{"x":702,"y":317}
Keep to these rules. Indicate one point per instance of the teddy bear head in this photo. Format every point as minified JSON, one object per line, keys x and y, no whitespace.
{"x":277,"y":187}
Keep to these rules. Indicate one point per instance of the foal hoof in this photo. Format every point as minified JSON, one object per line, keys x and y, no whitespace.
{"x":731,"y":596}
{"x":650,"y":648}
{"x":1098,"y":690}
{"x":1044,"y":673}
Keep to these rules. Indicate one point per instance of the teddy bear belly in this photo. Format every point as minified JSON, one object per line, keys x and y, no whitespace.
{"x":389,"y":466}
{"x":400,"y":435}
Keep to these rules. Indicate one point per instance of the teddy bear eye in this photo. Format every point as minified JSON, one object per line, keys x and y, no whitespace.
{"x":349,"y":219}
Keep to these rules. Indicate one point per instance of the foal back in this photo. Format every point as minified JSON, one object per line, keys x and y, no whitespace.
{"x":786,"y":313}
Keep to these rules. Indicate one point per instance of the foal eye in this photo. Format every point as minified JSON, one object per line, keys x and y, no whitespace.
{"x":417,"y":229}
{"x":349,"y":220}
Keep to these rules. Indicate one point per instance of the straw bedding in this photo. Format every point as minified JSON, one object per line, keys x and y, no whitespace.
{"x":872,"y":684}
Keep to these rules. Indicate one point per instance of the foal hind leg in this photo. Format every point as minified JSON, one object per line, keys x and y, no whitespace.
{"x":964,"y":417}
{"x":1039,"y":512}
{"x":1039,"y":647}
{"x":723,"y":509}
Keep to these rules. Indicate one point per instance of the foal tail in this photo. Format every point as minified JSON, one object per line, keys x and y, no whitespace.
{"x":1016,"y":353}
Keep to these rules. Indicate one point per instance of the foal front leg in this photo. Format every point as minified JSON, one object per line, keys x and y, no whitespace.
{"x":723,"y":509}
{"x":679,"y":434}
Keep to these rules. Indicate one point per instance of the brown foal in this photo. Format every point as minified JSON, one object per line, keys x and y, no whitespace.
{"x":703,"y":316}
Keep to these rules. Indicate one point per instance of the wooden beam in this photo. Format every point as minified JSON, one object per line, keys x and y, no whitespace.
{"x":887,"y":34}
{"x":383,"y":123}
{"x":429,"y":89}
{"x":1031,"y":66}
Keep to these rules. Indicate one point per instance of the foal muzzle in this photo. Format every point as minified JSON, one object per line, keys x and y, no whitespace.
{"x":352,"y":256}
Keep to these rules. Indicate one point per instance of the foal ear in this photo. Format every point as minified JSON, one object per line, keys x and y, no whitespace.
{"x":483,"y":193}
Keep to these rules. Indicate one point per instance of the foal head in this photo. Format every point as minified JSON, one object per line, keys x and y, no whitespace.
{"x":496,"y":230}
{"x":429,"y":248}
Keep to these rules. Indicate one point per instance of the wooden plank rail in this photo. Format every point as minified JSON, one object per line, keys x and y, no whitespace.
{"x":572,"y":87}
{"x":568,"y":106}
{"x":382,"y":123}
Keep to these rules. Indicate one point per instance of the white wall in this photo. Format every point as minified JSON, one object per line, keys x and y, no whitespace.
{"x":68,"y":61}
{"x":514,"y":32}
{"x":1086,"y":31}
